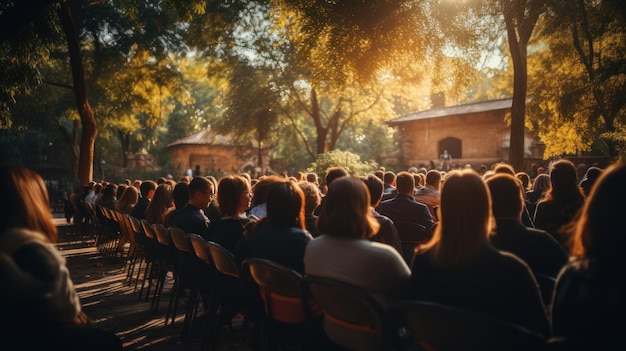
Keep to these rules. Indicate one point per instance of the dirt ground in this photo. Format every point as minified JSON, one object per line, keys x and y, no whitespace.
{"x":113,"y":303}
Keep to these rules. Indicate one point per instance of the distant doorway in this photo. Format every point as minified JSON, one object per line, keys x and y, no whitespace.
{"x":453,"y":146}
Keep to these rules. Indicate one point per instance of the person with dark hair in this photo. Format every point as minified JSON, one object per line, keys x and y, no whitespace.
{"x":543,"y":254}
{"x":332,"y":173}
{"x":258,"y":207}
{"x":344,"y":252}
{"x":146,"y":191}
{"x":429,"y":193}
{"x":191,"y":219}
{"x":561,"y":202}
{"x":389,"y":185}
{"x":108,"y":198}
{"x":387,"y":234}
{"x":233,"y":198}
{"x":412,"y":219}
{"x":589,"y":301}
{"x":39,"y":306}
{"x":281,"y":236}
{"x":593,"y":173}
{"x":459,"y":267}
{"x":180,"y":196}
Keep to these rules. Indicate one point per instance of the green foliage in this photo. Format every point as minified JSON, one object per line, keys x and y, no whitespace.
{"x":337,"y":158}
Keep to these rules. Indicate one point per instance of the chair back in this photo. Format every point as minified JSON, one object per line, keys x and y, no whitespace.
{"x":411,"y":235}
{"x":546,"y":287}
{"x":351,"y":309}
{"x":280,"y":288}
{"x":223,"y":260}
{"x":428,"y":325}
{"x":179,"y":239}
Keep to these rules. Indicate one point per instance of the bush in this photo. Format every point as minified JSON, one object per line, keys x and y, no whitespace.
{"x":337,"y":158}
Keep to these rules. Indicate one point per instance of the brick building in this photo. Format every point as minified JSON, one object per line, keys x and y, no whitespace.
{"x":215,"y":154}
{"x":474,"y":134}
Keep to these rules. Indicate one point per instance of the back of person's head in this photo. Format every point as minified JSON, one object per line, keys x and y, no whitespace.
{"x":333,"y":173}
{"x":375,"y":188}
{"x":405,"y":183}
{"x":110,"y":191}
{"x":542,"y":182}
{"x":507,"y":200}
{"x":120,"y":190}
{"x":25,"y":202}
{"x":389,"y":177}
{"x":312,"y":177}
{"x":599,"y":232}
{"x":524,"y":178}
{"x":160,"y":180}
{"x":564,"y":182}
{"x":593,"y":173}
{"x":262,"y":187}
{"x":180,"y":194}
{"x":147,"y":186}
{"x":433,"y":178}
{"x":465,"y":219}
{"x":127,"y":200}
{"x":285,"y":204}
{"x":161,"y":201}
{"x":230,"y":189}
{"x":346,"y":212}
{"x":312,"y":197}
{"x":380,"y":174}
{"x":504,"y":168}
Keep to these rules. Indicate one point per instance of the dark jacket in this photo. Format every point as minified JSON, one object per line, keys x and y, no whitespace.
{"x":403,"y":208}
{"x":495,"y":283}
{"x":191,"y":219}
{"x":139,"y":210}
{"x":281,"y":244}
{"x":536,"y":247}
{"x":387,"y":234}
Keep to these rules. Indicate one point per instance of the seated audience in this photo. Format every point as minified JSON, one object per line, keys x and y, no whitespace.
{"x":191,"y":219}
{"x":343,"y":252}
{"x":536,"y":247}
{"x":387,"y":234}
{"x":590,"y":298}
{"x":459,"y":267}
{"x":312,"y":199}
{"x":160,"y":205}
{"x":281,"y":236}
{"x":412,"y":219}
{"x":39,"y":306}
{"x":233,"y":198}
{"x":561,"y":202}
{"x":146,"y":192}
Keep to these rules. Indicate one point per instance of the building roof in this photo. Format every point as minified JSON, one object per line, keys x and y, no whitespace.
{"x":204,"y":137}
{"x":477,"y":107}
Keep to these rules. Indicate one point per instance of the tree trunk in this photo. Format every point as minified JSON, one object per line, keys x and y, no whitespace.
{"x":517,"y":46}
{"x":319,"y":127}
{"x":88,"y":121}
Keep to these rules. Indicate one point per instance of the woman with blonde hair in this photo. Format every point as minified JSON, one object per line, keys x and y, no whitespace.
{"x":127,"y":200}
{"x":39,"y":306}
{"x":459,"y":267}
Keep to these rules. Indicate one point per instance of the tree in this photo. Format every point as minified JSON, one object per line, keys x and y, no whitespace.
{"x":581,"y":84}
{"x":520,"y":18}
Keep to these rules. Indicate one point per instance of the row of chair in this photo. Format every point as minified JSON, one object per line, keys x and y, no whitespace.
{"x":286,"y":307}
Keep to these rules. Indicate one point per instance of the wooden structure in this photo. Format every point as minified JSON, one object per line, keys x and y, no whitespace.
{"x":215,"y":154}
{"x":474,"y":134}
